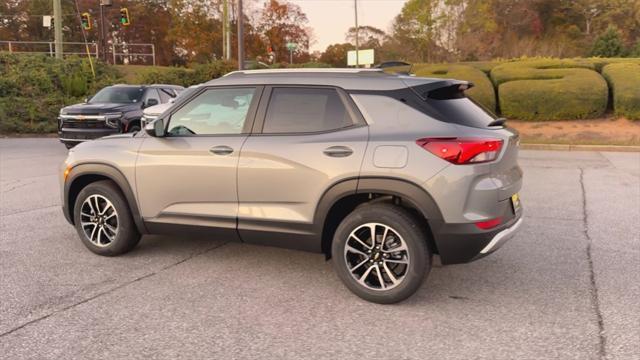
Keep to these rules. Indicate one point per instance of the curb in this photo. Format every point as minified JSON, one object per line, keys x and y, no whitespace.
{"x":569,"y":147}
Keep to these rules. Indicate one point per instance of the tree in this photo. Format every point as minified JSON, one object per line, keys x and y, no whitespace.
{"x":369,"y":37}
{"x":609,"y":44}
{"x":281,"y":22}
{"x":336,"y":54}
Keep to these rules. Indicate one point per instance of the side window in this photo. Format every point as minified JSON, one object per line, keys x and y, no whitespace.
{"x":301,"y":110}
{"x":166,"y":95}
{"x":214,"y":112}
{"x":152,"y":94}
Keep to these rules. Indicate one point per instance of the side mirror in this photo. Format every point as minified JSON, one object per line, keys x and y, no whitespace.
{"x":152,"y":102}
{"x":86,"y":100}
{"x":155,"y":128}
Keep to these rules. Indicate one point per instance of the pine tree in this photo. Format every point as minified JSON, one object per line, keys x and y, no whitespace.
{"x":609,"y":44}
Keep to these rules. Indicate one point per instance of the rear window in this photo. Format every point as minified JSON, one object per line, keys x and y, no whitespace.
{"x":450,"y":104}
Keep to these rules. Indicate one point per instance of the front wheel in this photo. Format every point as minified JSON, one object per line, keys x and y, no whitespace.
{"x":103,"y":219}
{"x":380,"y":253}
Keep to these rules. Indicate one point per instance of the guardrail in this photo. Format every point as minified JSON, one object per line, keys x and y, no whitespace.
{"x":119,"y":53}
{"x":47,"y":47}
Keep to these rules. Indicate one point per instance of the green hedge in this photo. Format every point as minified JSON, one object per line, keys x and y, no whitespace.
{"x":548,"y":89}
{"x":482,"y":92}
{"x":624,"y":81}
{"x":200,"y":73}
{"x":33,"y":88}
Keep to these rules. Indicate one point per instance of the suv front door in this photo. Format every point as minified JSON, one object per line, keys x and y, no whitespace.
{"x":189,"y":177}
{"x":305,"y":140}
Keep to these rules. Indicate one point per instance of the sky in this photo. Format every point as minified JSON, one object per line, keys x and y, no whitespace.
{"x":330,"y":19}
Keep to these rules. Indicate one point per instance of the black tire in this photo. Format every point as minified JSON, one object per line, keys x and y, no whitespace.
{"x":133,"y":128}
{"x":69,"y":145}
{"x":127,"y":235}
{"x":407,"y":227}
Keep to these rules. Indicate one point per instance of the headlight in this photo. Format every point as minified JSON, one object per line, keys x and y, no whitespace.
{"x":113,"y":119}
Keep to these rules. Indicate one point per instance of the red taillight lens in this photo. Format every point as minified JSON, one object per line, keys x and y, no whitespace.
{"x":489,"y":224}
{"x":462,"y":150}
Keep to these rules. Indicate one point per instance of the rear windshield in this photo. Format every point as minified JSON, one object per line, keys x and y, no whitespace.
{"x":118,"y":95}
{"x":450,"y":104}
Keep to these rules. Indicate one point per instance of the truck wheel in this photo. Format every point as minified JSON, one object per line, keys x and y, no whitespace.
{"x":380,"y":253}
{"x":133,"y":128}
{"x":103,"y":219}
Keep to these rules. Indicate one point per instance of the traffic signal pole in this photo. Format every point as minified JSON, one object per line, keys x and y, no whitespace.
{"x":103,"y":45}
{"x":57,"y":27}
{"x":240,"y":36}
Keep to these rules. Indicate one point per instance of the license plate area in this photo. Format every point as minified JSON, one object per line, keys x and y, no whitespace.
{"x":515,"y":202}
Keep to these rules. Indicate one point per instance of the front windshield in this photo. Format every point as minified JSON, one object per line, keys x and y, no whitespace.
{"x":118,"y":95}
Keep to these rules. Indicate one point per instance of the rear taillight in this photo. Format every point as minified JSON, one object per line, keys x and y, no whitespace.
{"x":488,"y":224}
{"x":461,"y":151}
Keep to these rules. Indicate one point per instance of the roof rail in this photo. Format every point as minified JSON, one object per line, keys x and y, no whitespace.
{"x":304,"y":71}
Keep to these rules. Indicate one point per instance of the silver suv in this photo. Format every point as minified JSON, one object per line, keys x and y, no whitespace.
{"x":377,"y":171}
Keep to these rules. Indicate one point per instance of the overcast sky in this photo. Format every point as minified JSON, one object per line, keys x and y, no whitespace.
{"x":330,"y":19}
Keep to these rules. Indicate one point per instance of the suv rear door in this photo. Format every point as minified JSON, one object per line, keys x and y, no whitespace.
{"x":305,"y":140}
{"x":189,"y":176}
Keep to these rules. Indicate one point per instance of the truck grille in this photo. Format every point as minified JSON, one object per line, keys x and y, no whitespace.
{"x":84,"y":124}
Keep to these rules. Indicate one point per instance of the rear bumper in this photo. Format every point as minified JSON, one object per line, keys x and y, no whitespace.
{"x":462,"y":243}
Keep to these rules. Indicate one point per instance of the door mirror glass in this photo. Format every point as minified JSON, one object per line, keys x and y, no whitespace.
{"x":155,"y":128}
{"x":152,"y":102}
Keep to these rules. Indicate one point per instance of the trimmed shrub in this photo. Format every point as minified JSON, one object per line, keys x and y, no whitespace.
{"x":482,"y":92}
{"x":484,"y":66}
{"x":547,"y":89}
{"x":624,"y":81}
{"x":200,"y":73}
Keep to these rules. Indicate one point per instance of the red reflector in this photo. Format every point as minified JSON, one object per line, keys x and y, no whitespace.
{"x":489,"y":224}
{"x":462,"y":150}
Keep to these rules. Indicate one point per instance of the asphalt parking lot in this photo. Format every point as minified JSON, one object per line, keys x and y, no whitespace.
{"x":565,"y":288}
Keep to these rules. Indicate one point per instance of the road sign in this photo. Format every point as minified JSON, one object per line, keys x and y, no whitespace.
{"x":46,"y":21}
{"x":291,"y":46}
{"x":365,"y":57}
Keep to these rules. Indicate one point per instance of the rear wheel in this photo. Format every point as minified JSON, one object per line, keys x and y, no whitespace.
{"x":380,"y":253}
{"x":103,"y":220}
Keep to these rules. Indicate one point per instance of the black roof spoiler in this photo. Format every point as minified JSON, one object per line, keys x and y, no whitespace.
{"x":423,"y":86}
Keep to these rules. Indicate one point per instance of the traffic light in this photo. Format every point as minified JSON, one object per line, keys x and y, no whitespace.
{"x":85,"y":21}
{"x":124,"y":17}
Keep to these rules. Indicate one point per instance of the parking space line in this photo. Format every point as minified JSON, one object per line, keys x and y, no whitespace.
{"x":106,"y":292}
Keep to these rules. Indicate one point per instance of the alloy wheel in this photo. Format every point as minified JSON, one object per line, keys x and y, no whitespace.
{"x":99,"y":220}
{"x":376,"y":256}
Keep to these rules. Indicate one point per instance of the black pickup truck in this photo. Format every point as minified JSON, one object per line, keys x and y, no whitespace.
{"x":112,"y":110}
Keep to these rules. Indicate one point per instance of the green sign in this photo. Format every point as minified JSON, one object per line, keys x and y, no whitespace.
{"x":291,"y":46}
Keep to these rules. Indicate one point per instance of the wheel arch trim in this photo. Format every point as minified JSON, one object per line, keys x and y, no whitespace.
{"x":110,"y":172}
{"x":417,"y":197}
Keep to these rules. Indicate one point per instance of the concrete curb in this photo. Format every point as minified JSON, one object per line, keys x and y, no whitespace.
{"x":568,"y":147}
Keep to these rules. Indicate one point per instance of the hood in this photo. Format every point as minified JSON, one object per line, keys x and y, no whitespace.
{"x":96,"y":109}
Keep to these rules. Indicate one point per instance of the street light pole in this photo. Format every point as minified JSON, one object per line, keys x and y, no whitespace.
{"x":240,"y":36}
{"x":355,"y":2}
{"x":57,"y":27}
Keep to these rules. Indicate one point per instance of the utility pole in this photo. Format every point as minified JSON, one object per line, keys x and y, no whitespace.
{"x":240,"y":36}
{"x":57,"y":27}
{"x":355,"y":3}
{"x":226,"y":31}
{"x":103,"y":32}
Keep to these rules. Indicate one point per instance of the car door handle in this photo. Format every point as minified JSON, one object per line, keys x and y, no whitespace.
{"x":221,"y":150}
{"x":338,"y":151}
